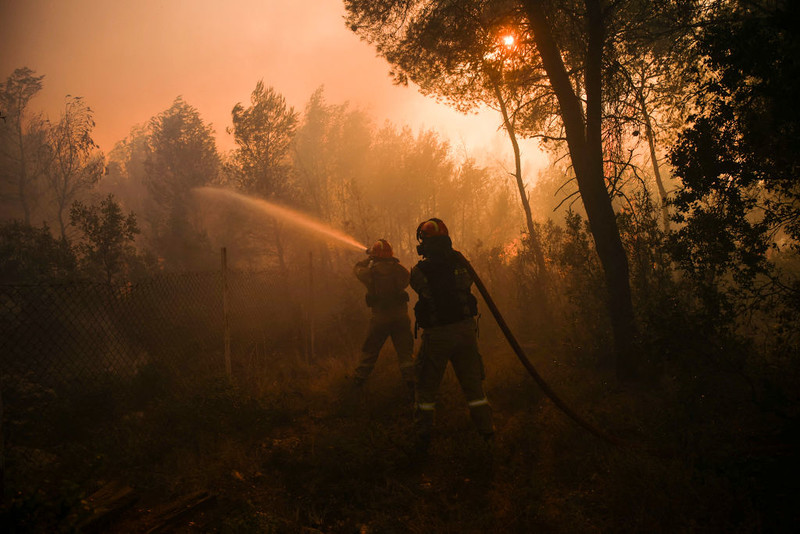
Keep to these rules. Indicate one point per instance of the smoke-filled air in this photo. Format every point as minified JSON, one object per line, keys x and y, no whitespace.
{"x":377,"y":266}
{"x":238,"y":201}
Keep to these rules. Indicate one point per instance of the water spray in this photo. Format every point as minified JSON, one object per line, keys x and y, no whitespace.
{"x":295,"y":218}
{"x":309,"y":223}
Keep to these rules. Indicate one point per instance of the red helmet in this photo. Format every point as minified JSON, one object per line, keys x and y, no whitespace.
{"x":431,"y":227}
{"x":381,"y":249}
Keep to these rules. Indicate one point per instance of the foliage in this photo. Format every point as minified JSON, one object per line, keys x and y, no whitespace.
{"x":32,"y":255}
{"x":330,"y":149}
{"x":74,"y":162}
{"x":556,"y":63}
{"x":126,"y":173}
{"x":739,"y":161}
{"x":294,"y":448}
{"x":17,"y":91}
{"x":378,"y":183}
{"x":577,"y":295}
{"x":181,"y":155}
{"x":311,"y":452}
{"x":108,"y":235}
{"x":263,"y":133}
{"x":22,"y":142}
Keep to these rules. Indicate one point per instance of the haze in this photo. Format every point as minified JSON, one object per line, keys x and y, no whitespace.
{"x":129,"y":60}
{"x":359,"y":317}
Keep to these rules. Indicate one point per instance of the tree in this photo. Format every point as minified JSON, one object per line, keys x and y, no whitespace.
{"x":74,"y":162}
{"x":18,"y":145}
{"x":567,"y":47}
{"x":263,"y":133}
{"x":409,"y":181}
{"x":30,"y":254}
{"x":469,"y":55}
{"x":126,"y":174}
{"x":108,"y":235}
{"x":739,"y":161}
{"x":312,"y":159}
{"x":331,"y":146}
{"x":181,"y":155}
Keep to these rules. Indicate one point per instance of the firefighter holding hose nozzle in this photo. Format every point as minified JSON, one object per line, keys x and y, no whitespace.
{"x":446,"y":312}
{"x":386,"y":280}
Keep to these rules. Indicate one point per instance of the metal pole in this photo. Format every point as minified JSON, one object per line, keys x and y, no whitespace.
{"x":226,"y":314}
{"x":2,"y":451}
{"x":311,"y":303}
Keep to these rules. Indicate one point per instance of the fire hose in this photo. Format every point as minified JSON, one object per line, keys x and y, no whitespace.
{"x":523,"y":358}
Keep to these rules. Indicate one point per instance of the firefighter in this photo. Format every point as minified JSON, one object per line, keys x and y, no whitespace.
{"x":386,"y":280}
{"x":446,"y":312}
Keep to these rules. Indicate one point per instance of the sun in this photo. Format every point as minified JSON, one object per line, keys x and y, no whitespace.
{"x":508,"y":40}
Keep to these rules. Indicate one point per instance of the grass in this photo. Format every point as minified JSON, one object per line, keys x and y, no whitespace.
{"x":299,"y":449}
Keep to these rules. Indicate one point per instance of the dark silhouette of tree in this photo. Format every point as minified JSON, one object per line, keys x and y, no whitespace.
{"x":740,"y":159}
{"x":126,"y":174}
{"x":648,"y":89}
{"x":181,"y":155}
{"x":21,"y":141}
{"x":30,"y":254}
{"x":106,"y":249}
{"x":568,"y":46}
{"x":468,"y":54}
{"x":74,"y":162}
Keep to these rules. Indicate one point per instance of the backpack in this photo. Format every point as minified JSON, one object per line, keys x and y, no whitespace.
{"x":449,"y":303}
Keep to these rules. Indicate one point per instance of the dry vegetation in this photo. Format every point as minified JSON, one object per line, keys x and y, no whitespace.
{"x":294,"y":447}
{"x":706,"y":302}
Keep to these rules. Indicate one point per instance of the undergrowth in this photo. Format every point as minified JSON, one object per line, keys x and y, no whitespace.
{"x":318,"y":453}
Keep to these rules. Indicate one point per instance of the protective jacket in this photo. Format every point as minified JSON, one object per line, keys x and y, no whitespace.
{"x":443,"y":284}
{"x":386,"y":281}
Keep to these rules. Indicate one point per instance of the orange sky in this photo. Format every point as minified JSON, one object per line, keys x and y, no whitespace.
{"x":129,"y":59}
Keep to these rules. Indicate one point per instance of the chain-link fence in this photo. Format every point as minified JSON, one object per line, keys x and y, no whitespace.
{"x":59,"y":343}
{"x":70,"y":336}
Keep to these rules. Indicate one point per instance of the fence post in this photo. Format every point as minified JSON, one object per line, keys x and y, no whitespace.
{"x":226,"y":313}
{"x":2,"y":451}
{"x":311,"y":303}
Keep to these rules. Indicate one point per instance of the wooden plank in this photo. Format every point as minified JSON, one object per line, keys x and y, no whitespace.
{"x":182,"y":509}
{"x":106,"y":505}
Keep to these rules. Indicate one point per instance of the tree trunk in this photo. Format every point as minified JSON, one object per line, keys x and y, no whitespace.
{"x":61,"y":224}
{"x":279,"y":250}
{"x":651,"y":142}
{"x":584,"y":139}
{"x":536,"y":246}
{"x":23,"y":171}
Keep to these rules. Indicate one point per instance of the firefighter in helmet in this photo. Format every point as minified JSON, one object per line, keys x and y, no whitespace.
{"x":446,"y":312}
{"x":386,"y":281}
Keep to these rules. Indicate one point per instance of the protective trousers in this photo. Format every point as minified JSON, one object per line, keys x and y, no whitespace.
{"x":398,"y":327}
{"x":456,"y":343}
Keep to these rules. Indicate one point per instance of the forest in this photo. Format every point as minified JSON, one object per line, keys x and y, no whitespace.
{"x":176,"y":359}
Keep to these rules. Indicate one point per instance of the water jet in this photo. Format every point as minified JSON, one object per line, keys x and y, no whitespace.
{"x":275,"y":211}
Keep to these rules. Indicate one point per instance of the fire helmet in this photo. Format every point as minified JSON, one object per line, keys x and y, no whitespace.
{"x":430,"y":228}
{"x":381,"y":249}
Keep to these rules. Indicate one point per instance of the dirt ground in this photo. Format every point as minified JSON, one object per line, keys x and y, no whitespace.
{"x":315,"y":453}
